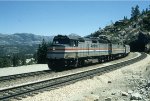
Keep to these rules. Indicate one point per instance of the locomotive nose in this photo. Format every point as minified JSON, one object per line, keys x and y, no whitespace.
{"x":56,"y":52}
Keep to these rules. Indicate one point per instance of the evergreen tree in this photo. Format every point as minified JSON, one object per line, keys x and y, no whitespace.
{"x":125,"y":18}
{"x":146,"y":11}
{"x":146,"y":22}
{"x":6,"y":62}
{"x":42,"y":52}
{"x":1,"y":62}
{"x":143,"y":12}
{"x":23,"y":60}
{"x":135,"y":12}
{"x":35,"y":57}
{"x":15,"y":60}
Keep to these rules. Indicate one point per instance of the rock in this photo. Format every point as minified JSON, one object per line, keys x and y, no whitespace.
{"x":142,"y":91}
{"x":130,"y":91}
{"x":95,"y":97}
{"x":108,"y":99}
{"x":113,"y":93}
{"x":146,"y":88}
{"x":92,"y":97}
{"x":148,"y":83}
{"x":124,"y":93}
{"x":136,"y":96}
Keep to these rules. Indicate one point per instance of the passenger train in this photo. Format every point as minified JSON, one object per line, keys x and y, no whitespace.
{"x":68,"y":51}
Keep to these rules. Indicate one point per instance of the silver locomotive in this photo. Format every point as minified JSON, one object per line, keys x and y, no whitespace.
{"x":69,"y":51}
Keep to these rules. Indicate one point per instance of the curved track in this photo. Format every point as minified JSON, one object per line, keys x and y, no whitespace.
{"x":17,"y":76}
{"x":33,"y":88}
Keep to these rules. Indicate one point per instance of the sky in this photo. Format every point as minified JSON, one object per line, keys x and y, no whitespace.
{"x":62,"y":17}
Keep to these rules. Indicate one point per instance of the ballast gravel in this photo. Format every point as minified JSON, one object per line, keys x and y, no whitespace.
{"x":126,"y":84}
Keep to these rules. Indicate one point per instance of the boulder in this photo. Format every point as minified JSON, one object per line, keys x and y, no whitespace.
{"x":148,"y":83}
{"x":91,"y":97}
{"x":130,"y":91}
{"x":108,"y":99}
{"x":113,"y":93}
{"x":124,"y":93}
{"x":136,"y":96}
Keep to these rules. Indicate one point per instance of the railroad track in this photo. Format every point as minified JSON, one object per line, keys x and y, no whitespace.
{"x":18,"y":76}
{"x":22,"y":91}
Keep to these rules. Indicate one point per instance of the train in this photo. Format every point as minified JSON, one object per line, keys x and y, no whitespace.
{"x":75,"y":51}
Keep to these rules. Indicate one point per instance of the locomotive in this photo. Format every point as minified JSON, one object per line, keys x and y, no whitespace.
{"x":67,"y":51}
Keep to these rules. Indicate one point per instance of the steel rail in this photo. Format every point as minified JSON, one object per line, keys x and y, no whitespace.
{"x":17,"y":76}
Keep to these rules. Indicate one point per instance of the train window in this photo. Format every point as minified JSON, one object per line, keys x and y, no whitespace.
{"x":103,"y":41}
{"x":94,"y":41}
{"x":81,"y":40}
{"x":74,"y":43}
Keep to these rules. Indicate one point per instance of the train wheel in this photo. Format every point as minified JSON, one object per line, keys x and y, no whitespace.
{"x":56,"y":65}
{"x":81,"y":62}
{"x":99,"y":60}
{"x":51,"y":65}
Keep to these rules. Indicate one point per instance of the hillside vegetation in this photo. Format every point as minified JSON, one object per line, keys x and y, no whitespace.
{"x":21,"y":49}
{"x":134,"y":31}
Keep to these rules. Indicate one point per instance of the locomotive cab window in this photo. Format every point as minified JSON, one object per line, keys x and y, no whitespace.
{"x":74,"y":43}
{"x":94,"y":41}
{"x":61,"y":41}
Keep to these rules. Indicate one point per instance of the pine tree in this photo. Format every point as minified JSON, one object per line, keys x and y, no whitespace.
{"x":1,"y":62}
{"x":143,"y":12}
{"x":125,"y":18}
{"x":6,"y":62}
{"x":135,"y":12}
{"x":23,"y":60}
{"x":146,"y":22}
{"x":15,"y":60}
{"x":42,"y":52}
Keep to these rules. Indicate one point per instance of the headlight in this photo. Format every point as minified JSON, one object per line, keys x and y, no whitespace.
{"x":54,"y":48}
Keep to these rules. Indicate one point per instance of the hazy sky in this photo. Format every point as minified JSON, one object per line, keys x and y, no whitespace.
{"x":62,"y":17}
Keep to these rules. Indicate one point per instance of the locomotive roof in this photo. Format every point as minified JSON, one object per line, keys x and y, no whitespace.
{"x":79,"y":38}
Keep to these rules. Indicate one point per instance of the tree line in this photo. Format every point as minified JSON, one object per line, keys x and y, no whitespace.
{"x":20,"y":59}
{"x":12,"y":61}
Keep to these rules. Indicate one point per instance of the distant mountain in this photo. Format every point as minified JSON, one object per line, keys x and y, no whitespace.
{"x":23,"y":39}
{"x":21,"y":43}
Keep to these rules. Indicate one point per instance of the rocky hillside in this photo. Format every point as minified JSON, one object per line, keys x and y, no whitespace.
{"x":134,"y":31}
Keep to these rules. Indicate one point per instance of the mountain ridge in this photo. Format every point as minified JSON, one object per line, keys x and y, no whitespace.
{"x":24,"y":43}
{"x":23,"y":38}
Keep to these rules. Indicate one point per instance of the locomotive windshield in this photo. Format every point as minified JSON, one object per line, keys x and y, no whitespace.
{"x":61,"y":40}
